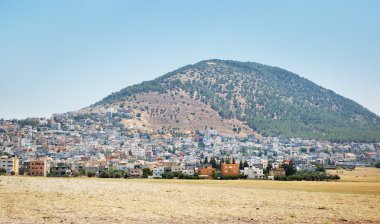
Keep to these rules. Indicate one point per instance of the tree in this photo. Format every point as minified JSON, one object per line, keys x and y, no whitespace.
{"x":213,"y":162}
{"x":233,"y":160}
{"x":289,"y":168}
{"x":268,"y":168}
{"x":81,"y":172}
{"x":206,"y":160}
{"x":377,"y":165}
{"x":147,"y":172}
{"x":246,"y":164}
{"x":241,"y":166}
{"x":320,"y":168}
{"x":2,"y":171}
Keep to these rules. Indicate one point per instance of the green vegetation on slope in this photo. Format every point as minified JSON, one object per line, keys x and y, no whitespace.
{"x":270,"y":100}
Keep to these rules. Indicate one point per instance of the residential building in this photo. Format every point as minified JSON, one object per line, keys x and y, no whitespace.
{"x":188,"y":172}
{"x":157,"y":172}
{"x":277,"y":172}
{"x":208,"y":171}
{"x":60,"y":169}
{"x":135,"y":172}
{"x":253,"y":172}
{"x":230,"y":169}
{"x":38,"y":167}
{"x":177,"y":168}
{"x":349,"y":157}
{"x":10,"y":164}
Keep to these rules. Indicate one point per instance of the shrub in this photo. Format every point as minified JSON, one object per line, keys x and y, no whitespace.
{"x":90,"y":174}
{"x":81,"y":172}
{"x":104,"y":174}
{"x":229,"y":177}
{"x":2,"y":171}
{"x":116,"y":173}
{"x":336,"y":177}
{"x":167,"y":175}
{"x":308,"y":176}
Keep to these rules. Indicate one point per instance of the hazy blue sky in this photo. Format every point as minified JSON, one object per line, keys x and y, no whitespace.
{"x":59,"y":56}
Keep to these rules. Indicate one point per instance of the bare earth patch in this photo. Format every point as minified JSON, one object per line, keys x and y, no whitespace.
{"x":84,"y":200}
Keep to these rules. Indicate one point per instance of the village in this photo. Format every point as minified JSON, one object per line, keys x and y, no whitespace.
{"x":78,"y":144}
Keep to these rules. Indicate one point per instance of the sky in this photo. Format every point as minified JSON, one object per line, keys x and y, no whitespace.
{"x":60,"y":56}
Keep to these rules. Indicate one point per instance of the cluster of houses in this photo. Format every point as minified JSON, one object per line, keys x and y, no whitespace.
{"x":77,"y":142}
{"x":47,"y":167}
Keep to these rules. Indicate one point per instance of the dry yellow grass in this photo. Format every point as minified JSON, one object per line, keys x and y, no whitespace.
{"x":359,"y":174}
{"x":84,"y":200}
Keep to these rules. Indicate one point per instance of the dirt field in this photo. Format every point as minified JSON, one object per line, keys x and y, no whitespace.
{"x":355,"y":199}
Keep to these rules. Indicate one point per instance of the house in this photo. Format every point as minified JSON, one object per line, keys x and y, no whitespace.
{"x":157,"y":172}
{"x":60,"y":169}
{"x":38,"y":167}
{"x":230,"y":169}
{"x":10,"y":164}
{"x":95,"y":166}
{"x":209,"y":171}
{"x":123,"y":165}
{"x":177,"y":168}
{"x":349,"y":157}
{"x":134,"y":172}
{"x":277,"y":172}
{"x":188,"y":172}
{"x":253,"y":172}
{"x":305,"y":167}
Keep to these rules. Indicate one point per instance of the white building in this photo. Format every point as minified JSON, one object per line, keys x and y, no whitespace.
{"x":177,"y":168}
{"x":253,"y":172}
{"x":157,"y":172}
{"x":188,"y":172}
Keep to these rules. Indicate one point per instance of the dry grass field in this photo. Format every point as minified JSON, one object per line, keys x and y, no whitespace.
{"x":354,"y":199}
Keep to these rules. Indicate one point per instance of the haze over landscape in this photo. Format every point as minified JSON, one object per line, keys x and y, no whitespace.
{"x":55,"y":52}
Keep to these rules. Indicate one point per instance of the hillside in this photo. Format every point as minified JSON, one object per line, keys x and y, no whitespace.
{"x":240,"y":96}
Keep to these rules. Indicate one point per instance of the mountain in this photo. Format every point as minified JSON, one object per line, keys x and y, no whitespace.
{"x":246,"y":97}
